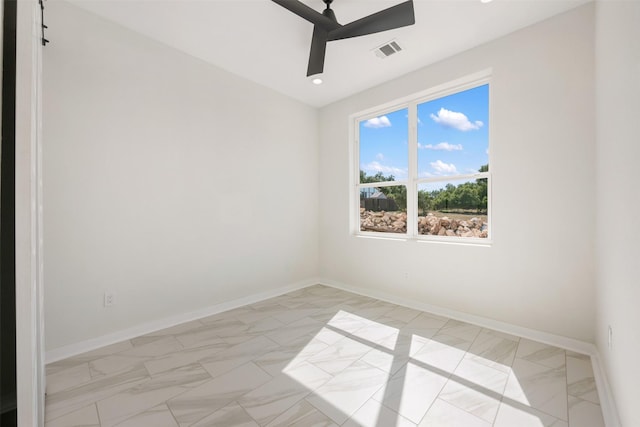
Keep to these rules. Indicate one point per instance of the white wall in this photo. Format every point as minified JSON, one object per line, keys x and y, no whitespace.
{"x":539,"y":272}
{"x":168,"y":181}
{"x":618,"y":195}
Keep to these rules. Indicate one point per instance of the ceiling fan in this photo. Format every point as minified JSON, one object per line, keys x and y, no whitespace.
{"x":326,"y":27}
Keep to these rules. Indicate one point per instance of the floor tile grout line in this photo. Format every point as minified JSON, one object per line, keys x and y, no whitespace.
{"x":98,"y":413}
{"x":150,"y":379}
{"x":540,"y":364}
{"x":386,"y":382}
{"x":49,"y":394}
{"x":434,"y":401}
{"x":237,"y":402}
{"x":536,"y":409}
{"x":68,"y":413}
{"x":147,"y":409}
{"x":260,"y":367}
{"x":166,"y":402}
{"x":389,"y":375}
{"x":95,"y":402}
{"x":502,"y":400}
{"x":392,"y":375}
{"x":129,"y":417}
{"x":449,"y":379}
{"x":503,"y":388}
{"x":506,"y":383}
{"x":282,"y":412}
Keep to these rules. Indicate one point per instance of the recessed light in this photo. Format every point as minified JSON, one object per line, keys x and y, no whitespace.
{"x":317,"y":81}
{"x":486,"y":1}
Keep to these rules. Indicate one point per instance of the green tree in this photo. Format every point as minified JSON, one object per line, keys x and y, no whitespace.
{"x":465,"y":196}
{"x":442,"y":200}
{"x":424,"y":201}
{"x":482,"y":189}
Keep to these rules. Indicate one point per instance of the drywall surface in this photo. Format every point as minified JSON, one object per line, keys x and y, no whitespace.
{"x":618,"y":195}
{"x":539,"y":271}
{"x":169,"y":182}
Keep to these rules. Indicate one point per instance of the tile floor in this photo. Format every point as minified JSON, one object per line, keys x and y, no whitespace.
{"x":324,"y":357}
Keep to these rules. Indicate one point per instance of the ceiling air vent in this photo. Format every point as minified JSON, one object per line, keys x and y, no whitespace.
{"x":387,"y":49}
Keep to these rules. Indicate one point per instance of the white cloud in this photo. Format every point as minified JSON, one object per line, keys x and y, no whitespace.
{"x":379,"y":167}
{"x":378,"y":122}
{"x":380,"y":156}
{"x":443,"y":168}
{"x":444,"y":146}
{"x":455,"y":120}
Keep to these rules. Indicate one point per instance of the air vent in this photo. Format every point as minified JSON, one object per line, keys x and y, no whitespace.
{"x":387,"y":49}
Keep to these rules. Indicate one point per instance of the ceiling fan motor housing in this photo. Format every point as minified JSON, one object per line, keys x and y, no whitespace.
{"x":328,"y":12}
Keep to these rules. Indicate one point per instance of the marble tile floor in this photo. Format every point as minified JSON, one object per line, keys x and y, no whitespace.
{"x":324,"y":357}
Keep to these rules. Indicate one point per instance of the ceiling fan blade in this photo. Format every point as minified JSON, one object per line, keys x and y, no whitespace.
{"x":397,"y":16}
{"x":311,"y":15}
{"x":318,"y":49}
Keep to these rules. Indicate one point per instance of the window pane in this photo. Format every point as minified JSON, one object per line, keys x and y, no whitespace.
{"x":384,"y":209}
{"x":384,"y":147}
{"x":453,"y":134}
{"x":455,"y":208}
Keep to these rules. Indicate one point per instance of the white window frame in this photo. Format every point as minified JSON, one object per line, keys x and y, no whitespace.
{"x":411,"y":103}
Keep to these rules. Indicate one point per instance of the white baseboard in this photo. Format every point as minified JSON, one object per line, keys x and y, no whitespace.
{"x":604,"y":391}
{"x":532,"y":334}
{"x":607,"y":403}
{"x":156,"y":325}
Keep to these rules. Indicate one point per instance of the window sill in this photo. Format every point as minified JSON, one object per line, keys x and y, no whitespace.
{"x":459,"y":241}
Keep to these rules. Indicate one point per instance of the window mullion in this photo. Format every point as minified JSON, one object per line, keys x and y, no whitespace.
{"x":412,"y":189}
{"x":355,"y":179}
{"x":382,"y":184}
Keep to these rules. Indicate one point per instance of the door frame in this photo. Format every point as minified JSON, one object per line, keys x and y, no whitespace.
{"x":29,"y":290}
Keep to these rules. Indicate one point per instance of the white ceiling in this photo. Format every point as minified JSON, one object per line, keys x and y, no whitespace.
{"x":265,"y":43}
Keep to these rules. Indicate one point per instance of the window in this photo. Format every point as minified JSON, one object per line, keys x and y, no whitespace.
{"x":423,"y":166}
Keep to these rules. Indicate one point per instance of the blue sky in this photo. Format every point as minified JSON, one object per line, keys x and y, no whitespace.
{"x":453,"y":137}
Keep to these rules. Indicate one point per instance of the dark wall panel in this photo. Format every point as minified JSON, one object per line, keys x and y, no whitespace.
{"x":7,"y":222}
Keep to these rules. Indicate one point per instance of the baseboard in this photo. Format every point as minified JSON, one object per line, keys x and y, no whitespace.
{"x":156,"y":325}
{"x":532,"y":334}
{"x":607,"y":402}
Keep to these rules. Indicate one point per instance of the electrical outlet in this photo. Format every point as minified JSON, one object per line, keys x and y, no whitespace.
{"x":610,"y":338}
{"x":406,"y":275}
{"x":109,"y":299}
